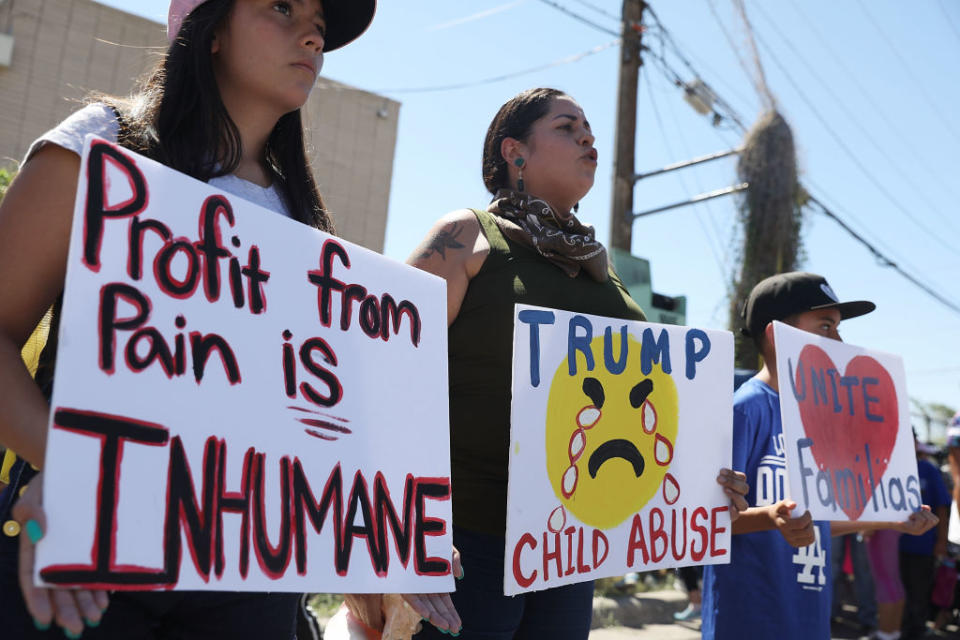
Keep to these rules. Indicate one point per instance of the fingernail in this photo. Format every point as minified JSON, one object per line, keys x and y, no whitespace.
{"x":93,"y":624}
{"x":71,"y":634}
{"x":41,"y":626}
{"x":34,"y":531}
{"x":462,"y":573}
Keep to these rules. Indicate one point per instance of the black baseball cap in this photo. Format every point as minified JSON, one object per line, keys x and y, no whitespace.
{"x":785,"y":294}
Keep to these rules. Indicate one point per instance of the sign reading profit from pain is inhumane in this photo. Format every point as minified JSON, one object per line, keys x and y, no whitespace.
{"x":241,"y":402}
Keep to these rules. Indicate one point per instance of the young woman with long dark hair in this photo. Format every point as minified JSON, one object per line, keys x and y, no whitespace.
{"x":223,"y":106}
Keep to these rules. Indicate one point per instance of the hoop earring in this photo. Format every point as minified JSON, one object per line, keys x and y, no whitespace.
{"x":519,"y":163}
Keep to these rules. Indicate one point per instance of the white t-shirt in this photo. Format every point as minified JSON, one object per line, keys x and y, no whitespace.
{"x":99,"y":119}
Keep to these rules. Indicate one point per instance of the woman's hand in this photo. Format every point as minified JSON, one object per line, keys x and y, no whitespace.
{"x":70,"y":608}
{"x":735,"y":485}
{"x":437,"y":608}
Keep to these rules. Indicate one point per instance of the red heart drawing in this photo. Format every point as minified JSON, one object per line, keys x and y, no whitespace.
{"x":826,"y":401}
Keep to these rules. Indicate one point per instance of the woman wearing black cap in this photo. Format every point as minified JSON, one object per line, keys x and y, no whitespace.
{"x":223,"y":106}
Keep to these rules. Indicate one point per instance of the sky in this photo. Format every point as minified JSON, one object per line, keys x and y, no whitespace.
{"x":869,"y":88}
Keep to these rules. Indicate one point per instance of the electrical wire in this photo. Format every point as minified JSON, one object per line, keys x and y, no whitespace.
{"x":852,"y":78}
{"x":863,"y":229}
{"x":761,"y":77}
{"x":853,"y":157}
{"x":946,"y":15}
{"x":733,"y":46}
{"x":722,"y":108}
{"x":681,"y":53}
{"x":722,"y":111}
{"x":577,"y":16}
{"x":903,"y":63}
{"x":853,"y":118}
{"x":599,"y":10}
{"x":683,"y":184}
{"x":476,"y":83}
{"x":882,"y":258}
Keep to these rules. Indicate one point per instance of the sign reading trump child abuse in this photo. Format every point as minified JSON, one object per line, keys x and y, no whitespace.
{"x":241,"y":402}
{"x":846,"y":429}
{"x":618,"y":431}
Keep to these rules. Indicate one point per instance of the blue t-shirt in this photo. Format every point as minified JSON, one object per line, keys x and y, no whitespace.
{"x":769,"y":589}
{"x":933,"y":492}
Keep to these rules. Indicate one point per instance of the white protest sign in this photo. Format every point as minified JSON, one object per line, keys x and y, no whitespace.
{"x":241,"y":402}
{"x":846,"y":429}
{"x":618,"y":430}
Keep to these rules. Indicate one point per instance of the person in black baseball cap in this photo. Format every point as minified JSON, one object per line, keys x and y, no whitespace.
{"x":786,"y":294}
{"x":777,"y":584}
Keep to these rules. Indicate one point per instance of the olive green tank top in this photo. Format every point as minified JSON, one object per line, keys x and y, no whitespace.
{"x":481,"y":363}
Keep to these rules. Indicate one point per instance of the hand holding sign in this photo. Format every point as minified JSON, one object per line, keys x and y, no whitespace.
{"x":617,"y":430}
{"x":798,"y":531}
{"x":225,"y":413}
{"x":846,"y":428}
{"x":69,"y":608}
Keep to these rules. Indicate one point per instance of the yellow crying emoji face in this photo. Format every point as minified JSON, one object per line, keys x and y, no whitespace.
{"x":610,"y":437}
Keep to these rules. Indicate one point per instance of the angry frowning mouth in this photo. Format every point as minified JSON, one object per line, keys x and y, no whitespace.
{"x":611,"y":449}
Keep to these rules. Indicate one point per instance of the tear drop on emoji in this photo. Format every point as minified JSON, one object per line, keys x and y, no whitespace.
{"x":610,"y":437}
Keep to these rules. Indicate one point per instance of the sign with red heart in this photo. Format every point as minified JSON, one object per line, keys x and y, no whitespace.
{"x":845,"y":421}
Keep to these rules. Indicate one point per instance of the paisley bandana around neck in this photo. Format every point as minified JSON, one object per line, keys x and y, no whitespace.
{"x":569,"y":244}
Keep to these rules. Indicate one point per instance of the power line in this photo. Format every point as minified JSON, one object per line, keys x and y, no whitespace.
{"x":476,"y":83}
{"x":855,"y":81}
{"x":712,"y":216}
{"x":577,"y":16}
{"x":923,"y":92}
{"x":680,"y":52}
{"x":761,"y":82}
{"x":882,"y":258}
{"x":683,"y":184}
{"x":953,"y":27}
{"x":853,"y":157}
{"x":722,"y":111}
{"x":813,"y":188}
{"x":852,"y":117}
{"x":599,"y":10}
{"x":733,"y":45}
{"x":666,"y":39}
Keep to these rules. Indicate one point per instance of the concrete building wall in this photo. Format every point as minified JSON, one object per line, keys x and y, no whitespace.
{"x":65,"y":49}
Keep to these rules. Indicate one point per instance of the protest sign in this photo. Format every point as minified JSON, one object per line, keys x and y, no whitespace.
{"x":618,"y":430}
{"x":846,"y":428}
{"x":241,"y":402}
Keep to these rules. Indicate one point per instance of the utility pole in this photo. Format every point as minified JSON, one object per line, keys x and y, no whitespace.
{"x":621,"y":215}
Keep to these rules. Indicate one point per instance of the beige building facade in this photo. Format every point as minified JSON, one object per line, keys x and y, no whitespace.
{"x":62,"y":50}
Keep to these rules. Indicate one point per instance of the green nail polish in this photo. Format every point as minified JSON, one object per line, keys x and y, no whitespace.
{"x":93,"y":624}
{"x":463,"y":572}
{"x":71,"y":634}
{"x":34,"y":531}
{"x":41,"y":626}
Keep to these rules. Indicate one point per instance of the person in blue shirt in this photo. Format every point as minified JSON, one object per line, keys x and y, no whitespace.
{"x":778,"y":583}
{"x":920,"y":554}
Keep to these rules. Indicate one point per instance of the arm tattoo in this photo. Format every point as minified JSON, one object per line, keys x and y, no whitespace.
{"x":442,"y":241}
